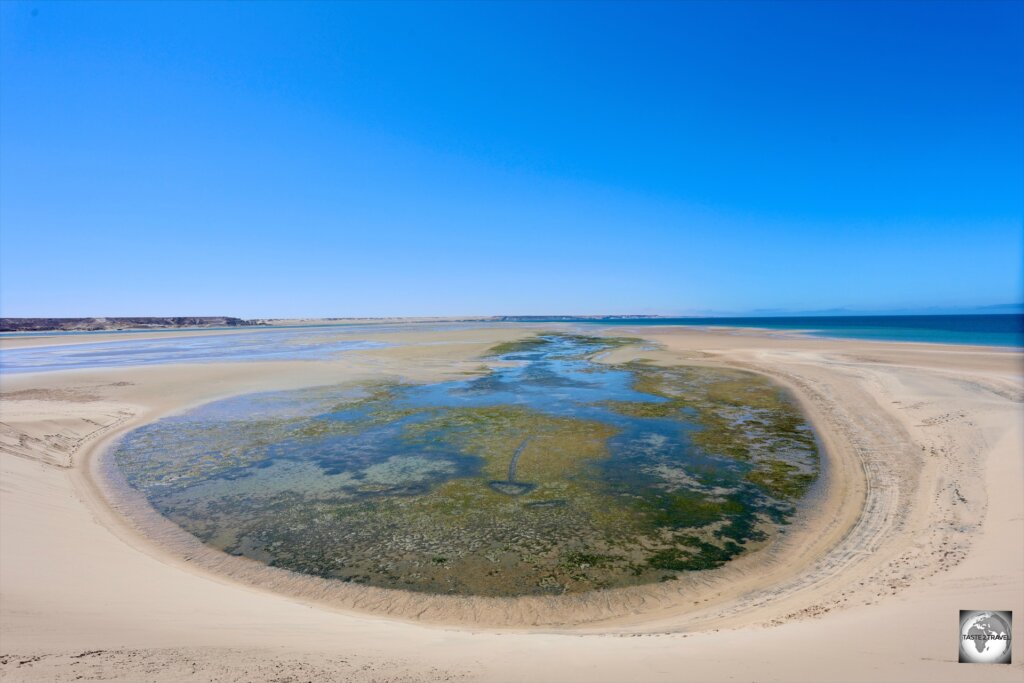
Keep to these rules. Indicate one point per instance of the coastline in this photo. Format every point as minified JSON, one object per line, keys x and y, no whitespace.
{"x":843,"y":386}
{"x":139,"y":524}
{"x":740,"y":325}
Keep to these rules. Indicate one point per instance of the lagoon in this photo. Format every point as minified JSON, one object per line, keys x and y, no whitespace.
{"x":548,"y":472}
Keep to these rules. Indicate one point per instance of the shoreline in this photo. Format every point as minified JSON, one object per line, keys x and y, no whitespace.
{"x":67,"y":338}
{"x":938,"y":431}
{"x":146,"y":528}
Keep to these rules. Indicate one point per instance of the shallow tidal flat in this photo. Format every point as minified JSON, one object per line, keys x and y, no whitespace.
{"x":549,"y":473}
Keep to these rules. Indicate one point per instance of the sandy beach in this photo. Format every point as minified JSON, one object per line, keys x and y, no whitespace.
{"x":919,"y":513}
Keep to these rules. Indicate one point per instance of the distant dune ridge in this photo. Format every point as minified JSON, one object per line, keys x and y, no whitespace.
{"x":151,"y":322}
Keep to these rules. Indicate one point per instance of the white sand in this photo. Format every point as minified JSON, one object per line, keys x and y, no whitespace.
{"x":924,"y":516}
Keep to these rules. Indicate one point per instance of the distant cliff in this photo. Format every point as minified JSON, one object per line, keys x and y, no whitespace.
{"x":87,"y":324}
{"x":568,"y":318}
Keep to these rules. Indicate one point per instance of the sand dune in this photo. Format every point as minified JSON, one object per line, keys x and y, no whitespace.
{"x":920,"y":513}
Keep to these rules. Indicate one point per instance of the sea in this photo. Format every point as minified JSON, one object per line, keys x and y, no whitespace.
{"x":1000,"y":329}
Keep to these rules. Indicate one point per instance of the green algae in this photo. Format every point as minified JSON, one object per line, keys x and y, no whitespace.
{"x":587,"y":345}
{"x":516,"y":346}
{"x":691,"y":554}
{"x":493,"y":433}
{"x":742,"y":415}
{"x":782,"y":479}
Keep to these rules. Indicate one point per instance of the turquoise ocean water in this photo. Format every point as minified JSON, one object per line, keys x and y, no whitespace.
{"x":1004,"y":329}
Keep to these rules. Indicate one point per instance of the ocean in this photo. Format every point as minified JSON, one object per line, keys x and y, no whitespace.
{"x":1003,"y":329}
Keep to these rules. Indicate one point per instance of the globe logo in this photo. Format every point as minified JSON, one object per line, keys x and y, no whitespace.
{"x":985,"y":637}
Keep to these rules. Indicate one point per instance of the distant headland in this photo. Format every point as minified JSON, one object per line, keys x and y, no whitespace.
{"x":100,"y":324}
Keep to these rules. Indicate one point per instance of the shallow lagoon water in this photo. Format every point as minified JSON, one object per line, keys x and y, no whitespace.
{"x":550,"y":474}
{"x":287,"y":344}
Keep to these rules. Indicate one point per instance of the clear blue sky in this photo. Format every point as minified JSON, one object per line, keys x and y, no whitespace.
{"x":414,"y":159}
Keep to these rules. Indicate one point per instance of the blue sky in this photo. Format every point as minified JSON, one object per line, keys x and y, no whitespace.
{"x":453,"y":159}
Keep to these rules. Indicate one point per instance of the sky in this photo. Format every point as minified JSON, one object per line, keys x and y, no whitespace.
{"x":346,"y":159}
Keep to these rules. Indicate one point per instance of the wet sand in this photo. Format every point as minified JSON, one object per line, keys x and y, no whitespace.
{"x":920,"y":513}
